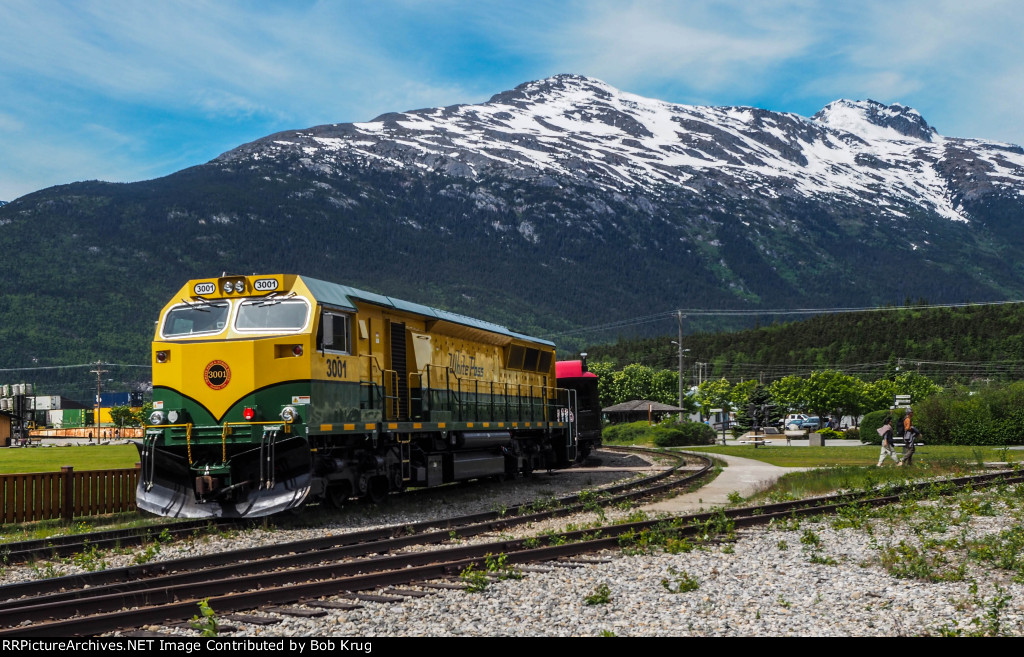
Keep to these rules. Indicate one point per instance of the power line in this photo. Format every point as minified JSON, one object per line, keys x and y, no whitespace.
{"x":704,"y":312}
{"x":65,"y":367}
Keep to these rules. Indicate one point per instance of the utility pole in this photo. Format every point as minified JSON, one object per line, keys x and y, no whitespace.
{"x":679,"y":321}
{"x":99,"y":371}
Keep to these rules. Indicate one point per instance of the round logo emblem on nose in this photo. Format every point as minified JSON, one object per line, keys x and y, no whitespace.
{"x":217,"y":374}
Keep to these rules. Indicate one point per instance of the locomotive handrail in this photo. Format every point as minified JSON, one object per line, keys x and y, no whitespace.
{"x":533,"y":402}
{"x":188,"y":434}
{"x":410,"y":387}
{"x":227,"y":432}
{"x":385,"y":397}
{"x":537,"y":402}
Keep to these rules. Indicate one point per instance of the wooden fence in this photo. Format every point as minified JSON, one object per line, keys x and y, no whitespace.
{"x":67,"y":494}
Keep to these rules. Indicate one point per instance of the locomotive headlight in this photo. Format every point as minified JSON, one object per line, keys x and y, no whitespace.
{"x":290,"y":414}
{"x":239,"y":286}
{"x":228,"y":287}
{"x":156,"y":417}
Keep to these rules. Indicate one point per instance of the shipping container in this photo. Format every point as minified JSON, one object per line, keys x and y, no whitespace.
{"x":109,"y":399}
{"x":46,"y":402}
{"x":76,"y":417}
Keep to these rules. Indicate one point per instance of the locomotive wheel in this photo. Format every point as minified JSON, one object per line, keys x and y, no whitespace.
{"x":377,"y":489}
{"x":338,"y":494}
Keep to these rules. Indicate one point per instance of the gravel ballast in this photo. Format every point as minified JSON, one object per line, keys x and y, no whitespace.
{"x":801,"y":579}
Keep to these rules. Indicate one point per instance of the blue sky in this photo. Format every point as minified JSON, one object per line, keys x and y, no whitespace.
{"x":126,"y":90}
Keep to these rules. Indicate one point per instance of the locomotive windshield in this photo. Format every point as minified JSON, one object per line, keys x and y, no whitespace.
{"x":194,"y":319}
{"x":266,"y":315}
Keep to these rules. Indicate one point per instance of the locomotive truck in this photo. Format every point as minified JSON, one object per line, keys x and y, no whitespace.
{"x":273,"y":390}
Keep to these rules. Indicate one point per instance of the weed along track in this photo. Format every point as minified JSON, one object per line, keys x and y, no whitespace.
{"x":364,"y":570}
{"x":106,"y":591}
{"x":71,"y":544}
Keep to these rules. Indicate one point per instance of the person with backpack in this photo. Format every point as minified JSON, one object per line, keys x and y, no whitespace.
{"x":908,"y":420}
{"x":909,"y":436}
{"x":885,"y":431}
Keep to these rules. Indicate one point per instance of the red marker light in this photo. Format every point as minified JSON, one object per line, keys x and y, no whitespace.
{"x":249,"y":413}
{"x":297,"y":350}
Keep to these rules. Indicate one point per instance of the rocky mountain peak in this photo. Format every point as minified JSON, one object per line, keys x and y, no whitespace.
{"x":572,"y":130}
{"x":872,"y":119}
{"x":558,"y":85}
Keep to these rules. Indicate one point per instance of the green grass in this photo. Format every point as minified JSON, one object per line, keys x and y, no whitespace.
{"x":83,"y":457}
{"x":822,"y":457}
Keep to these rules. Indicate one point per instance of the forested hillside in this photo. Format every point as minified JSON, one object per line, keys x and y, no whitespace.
{"x":983,"y":341}
{"x":557,"y":205}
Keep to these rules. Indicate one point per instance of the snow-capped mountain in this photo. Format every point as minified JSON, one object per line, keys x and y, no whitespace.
{"x":580,"y":131}
{"x":561,"y":203}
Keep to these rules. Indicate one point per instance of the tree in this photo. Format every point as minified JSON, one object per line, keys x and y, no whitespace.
{"x":714,"y":394}
{"x":789,"y":393}
{"x":642,"y":382}
{"x":142,"y":416}
{"x":605,"y":372}
{"x":831,"y":392}
{"x":740,"y":393}
{"x":751,"y":397}
{"x":881,"y":394}
{"x":123,"y":416}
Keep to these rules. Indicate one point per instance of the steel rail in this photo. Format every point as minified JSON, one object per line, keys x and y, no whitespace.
{"x":16,"y":552}
{"x":166,"y":603}
{"x":299,"y":553}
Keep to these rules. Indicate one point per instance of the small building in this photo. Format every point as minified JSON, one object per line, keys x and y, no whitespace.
{"x":640,"y":409}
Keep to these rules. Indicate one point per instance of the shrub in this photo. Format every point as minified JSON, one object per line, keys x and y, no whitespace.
{"x":677,"y":434}
{"x":992,"y":415}
{"x":626,"y":434}
{"x":869,"y":426}
{"x":670,"y":433}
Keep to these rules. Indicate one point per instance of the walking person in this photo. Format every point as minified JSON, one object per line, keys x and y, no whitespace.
{"x":909,"y":436}
{"x":908,"y":420}
{"x":885,"y":431}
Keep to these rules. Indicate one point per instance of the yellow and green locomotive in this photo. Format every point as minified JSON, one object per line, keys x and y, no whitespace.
{"x":270,"y":391}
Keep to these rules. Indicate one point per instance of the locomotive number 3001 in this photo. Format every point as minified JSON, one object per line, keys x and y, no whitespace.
{"x":336,"y":367}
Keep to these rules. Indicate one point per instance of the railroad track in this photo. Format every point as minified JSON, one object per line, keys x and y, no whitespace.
{"x":162,"y":600}
{"x":19,"y":552}
{"x":63,"y":591}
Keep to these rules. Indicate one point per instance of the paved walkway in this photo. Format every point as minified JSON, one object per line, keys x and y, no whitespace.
{"x":743,"y":476}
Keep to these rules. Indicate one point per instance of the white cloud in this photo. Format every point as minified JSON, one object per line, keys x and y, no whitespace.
{"x":137,"y":71}
{"x":705,"y":48}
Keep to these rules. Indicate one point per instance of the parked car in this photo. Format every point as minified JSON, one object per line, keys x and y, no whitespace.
{"x":812,"y":423}
{"x":794,"y":421}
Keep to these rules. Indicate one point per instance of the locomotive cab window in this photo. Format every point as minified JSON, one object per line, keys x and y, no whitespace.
{"x":334,"y":333}
{"x":272,"y":315}
{"x":195,"y":319}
